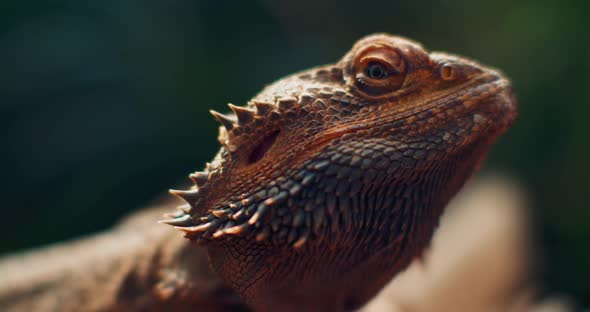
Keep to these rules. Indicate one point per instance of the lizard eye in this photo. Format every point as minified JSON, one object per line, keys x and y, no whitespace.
{"x":377,"y":71}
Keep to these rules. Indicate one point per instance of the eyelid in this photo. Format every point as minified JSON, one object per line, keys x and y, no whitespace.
{"x":390,"y":58}
{"x":390,"y":68}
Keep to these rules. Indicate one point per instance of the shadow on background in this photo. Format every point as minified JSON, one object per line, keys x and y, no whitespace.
{"x":104,"y":104}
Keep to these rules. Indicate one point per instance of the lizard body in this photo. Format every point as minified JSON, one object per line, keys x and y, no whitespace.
{"x":330,"y":181}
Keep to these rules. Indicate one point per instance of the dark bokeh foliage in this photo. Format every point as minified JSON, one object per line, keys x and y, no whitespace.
{"x":103,"y":104}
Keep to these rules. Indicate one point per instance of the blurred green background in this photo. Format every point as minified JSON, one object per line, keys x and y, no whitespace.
{"x":103,"y":104}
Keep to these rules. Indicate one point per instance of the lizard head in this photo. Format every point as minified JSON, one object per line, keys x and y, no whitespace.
{"x":363,"y":152}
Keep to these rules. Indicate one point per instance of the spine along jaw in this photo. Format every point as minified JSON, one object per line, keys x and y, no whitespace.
{"x":245,"y":216}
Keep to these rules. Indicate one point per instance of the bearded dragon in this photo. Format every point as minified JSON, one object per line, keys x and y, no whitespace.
{"x":327,"y":184}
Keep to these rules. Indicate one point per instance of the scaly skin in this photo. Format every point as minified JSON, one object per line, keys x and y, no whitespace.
{"x":332,"y":180}
{"x":328,"y":183}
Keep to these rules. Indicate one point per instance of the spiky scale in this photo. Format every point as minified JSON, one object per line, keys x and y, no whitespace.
{"x":244,"y":115}
{"x":295,"y":189}
{"x":307,"y":179}
{"x":321,"y":165}
{"x":187,"y":195}
{"x":220,"y":214}
{"x":234,"y":206}
{"x":246,"y":202}
{"x":318,"y":104}
{"x":260,"y":211}
{"x":225,"y":120}
{"x":325,"y":94}
{"x":200,"y":177}
{"x":178,"y":221}
{"x":218,"y":234}
{"x":262,"y":108}
{"x":240,"y":215}
{"x":278,"y":199}
{"x":210,"y":226}
{"x":236,"y":230}
{"x":299,"y":243}
{"x":286,"y":103}
{"x":306,"y":98}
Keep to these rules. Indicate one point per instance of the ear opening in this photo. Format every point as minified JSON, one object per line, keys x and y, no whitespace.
{"x":262,"y":148}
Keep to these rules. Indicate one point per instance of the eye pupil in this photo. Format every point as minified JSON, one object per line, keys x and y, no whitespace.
{"x":376,"y":71}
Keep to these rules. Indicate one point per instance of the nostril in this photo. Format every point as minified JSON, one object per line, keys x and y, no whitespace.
{"x":263,"y":147}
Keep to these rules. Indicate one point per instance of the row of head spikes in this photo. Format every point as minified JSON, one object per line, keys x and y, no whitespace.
{"x":245,"y":115}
